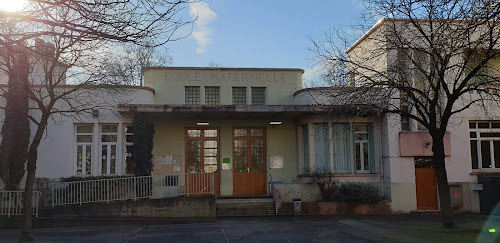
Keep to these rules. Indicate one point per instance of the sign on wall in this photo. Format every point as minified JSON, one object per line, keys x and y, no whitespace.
{"x":276,"y":162}
{"x":226,"y":163}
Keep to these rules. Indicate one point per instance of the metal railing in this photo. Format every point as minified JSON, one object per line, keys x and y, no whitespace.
{"x":132,"y":188}
{"x":11,"y":202}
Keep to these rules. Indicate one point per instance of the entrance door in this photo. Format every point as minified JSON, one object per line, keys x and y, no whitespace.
{"x":202,"y":155}
{"x":425,"y":181}
{"x":249,"y":156}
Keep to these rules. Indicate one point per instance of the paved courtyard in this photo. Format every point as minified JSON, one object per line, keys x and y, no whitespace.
{"x":406,"y":228}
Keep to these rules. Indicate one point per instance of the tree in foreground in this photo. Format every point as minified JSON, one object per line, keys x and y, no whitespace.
{"x":425,"y":64}
{"x":64,"y":40}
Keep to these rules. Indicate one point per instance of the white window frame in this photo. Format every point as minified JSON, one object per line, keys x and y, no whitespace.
{"x":108,"y":149}
{"x":361,"y":149}
{"x":480,"y":139}
{"x":84,"y":150}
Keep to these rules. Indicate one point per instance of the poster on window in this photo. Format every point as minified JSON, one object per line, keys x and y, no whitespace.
{"x":276,"y":161}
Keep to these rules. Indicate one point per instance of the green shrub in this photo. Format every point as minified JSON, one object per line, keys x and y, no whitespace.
{"x":357,"y":193}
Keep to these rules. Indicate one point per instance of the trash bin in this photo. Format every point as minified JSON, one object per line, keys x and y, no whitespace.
{"x":297,"y":206}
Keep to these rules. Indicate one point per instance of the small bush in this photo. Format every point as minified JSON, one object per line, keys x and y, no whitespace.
{"x":357,"y":193}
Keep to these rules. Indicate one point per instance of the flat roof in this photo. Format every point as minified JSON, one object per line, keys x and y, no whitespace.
{"x":223,"y":69}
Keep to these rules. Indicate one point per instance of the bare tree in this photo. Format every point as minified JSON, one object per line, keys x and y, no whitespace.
{"x":125,"y":63}
{"x":76,"y":31}
{"x":427,"y":62}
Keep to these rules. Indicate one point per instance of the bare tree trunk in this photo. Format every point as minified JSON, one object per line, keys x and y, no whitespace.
{"x":442,"y":181}
{"x":27,"y":233}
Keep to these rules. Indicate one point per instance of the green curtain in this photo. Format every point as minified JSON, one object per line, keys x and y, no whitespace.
{"x":341,"y":147}
{"x":321,"y":148}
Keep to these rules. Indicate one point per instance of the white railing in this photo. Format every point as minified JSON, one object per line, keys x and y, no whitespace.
{"x":11,"y":202}
{"x":126,"y":188}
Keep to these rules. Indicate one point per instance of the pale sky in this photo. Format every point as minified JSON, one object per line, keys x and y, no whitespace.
{"x":259,"y":33}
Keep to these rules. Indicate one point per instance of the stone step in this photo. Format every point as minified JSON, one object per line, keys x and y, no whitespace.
{"x":233,"y":207}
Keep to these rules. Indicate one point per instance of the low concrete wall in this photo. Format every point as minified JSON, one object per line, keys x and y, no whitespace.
{"x":179,"y":207}
{"x":306,"y":192}
{"x":335,"y":208}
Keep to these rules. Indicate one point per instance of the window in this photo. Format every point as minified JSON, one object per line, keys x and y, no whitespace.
{"x":192,"y":95}
{"x":258,"y":96}
{"x":129,"y":149}
{"x":211,"y":95}
{"x":84,"y":149}
{"x":361,"y":147}
{"x":202,"y":150}
{"x":239,"y":95}
{"x":349,"y":145}
{"x":485,"y":144}
{"x":486,"y":73}
{"x":109,"y":138}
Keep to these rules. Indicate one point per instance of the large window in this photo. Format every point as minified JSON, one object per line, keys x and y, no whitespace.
{"x":485,"y":144}
{"x":192,"y":95}
{"x":109,"y":139}
{"x":212,"y":95}
{"x":258,"y":95}
{"x":84,"y":134}
{"x":129,"y":149}
{"x":239,"y":95}
{"x":346,"y":146}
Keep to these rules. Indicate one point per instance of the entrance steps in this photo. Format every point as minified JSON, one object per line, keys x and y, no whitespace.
{"x":244,"y":206}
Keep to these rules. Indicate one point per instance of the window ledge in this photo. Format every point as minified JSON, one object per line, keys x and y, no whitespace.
{"x":345,"y":175}
{"x":485,"y":173}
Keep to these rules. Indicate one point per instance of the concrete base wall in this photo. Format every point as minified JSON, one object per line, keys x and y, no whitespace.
{"x":180,"y":207}
{"x":403,"y":197}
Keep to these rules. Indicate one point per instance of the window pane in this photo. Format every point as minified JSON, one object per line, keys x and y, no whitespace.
{"x":194,"y":168}
{"x":194,"y":133}
{"x":361,"y":136}
{"x":257,"y":151}
{"x":84,"y":138}
{"x":240,"y":152}
{"x":496,"y":147}
{"x":257,"y":132}
{"x":210,"y":144}
{"x":194,"y":144}
{"x":79,"y":159}
{"x":472,"y":125}
{"x":104,"y":159}
{"x":473,"y":153}
{"x":483,"y":125}
{"x":194,"y":152}
{"x":88,"y":159}
{"x":112,"y":161}
{"x":239,"y":95}
{"x":210,"y":168}
{"x":192,"y":95}
{"x":365,"y":156}
{"x":495,"y":125}
{"x":210,"y":133}
{"x":129,"y":138}
{"x":258,"y":96}
{"x":258,"y":164}
{"x":473,"y":135}
{"x":240,"y":132}
{"x":485,"y":154}
{"x":129,"y":129}
{"x":129,"y":159}
{"x":358,"y":156}
{"x":210,"y":152}
{"x":240,"y":164}
{"x":258,"y":144}
{"x":108,"y":138}
{"x":210,"y":160}
{"x":489,"y":134}
{"x":194,"y":161}
{"x":84,"y":128}
{"x":211,"y":95}
{"x":240,"y":144}
{"x":109,"y":128}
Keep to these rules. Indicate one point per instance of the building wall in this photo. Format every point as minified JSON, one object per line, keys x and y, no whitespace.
{"x":280,"y":140}
{"x":170,"y":82}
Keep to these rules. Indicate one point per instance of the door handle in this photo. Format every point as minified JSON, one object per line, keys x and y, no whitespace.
{"x":248,"y":170}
